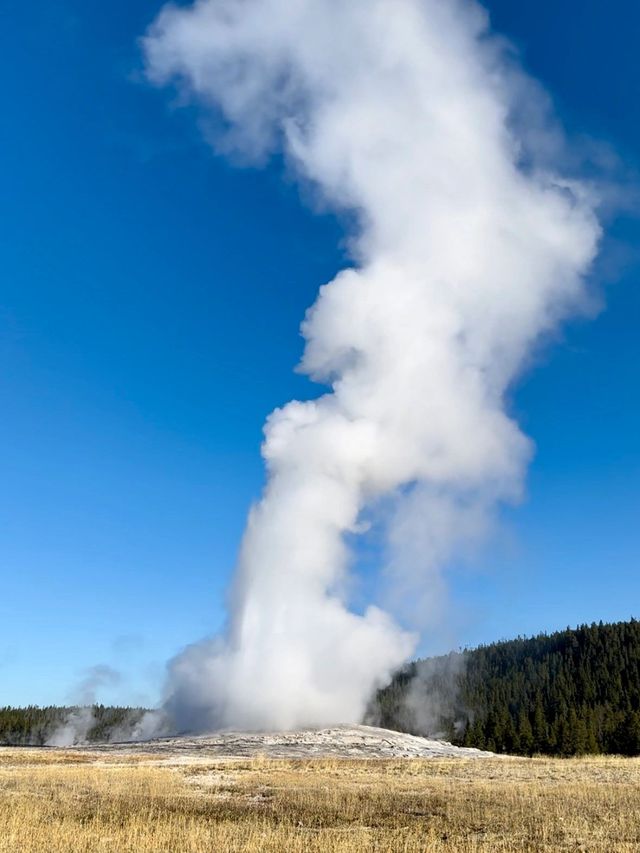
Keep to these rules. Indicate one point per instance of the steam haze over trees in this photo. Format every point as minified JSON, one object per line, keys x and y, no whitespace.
{"x":572,"y":692}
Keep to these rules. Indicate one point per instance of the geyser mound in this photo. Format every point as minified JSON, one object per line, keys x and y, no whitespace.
{"x":346,"y":741}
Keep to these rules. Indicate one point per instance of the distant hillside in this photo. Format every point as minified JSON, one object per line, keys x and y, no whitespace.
{"x":568,"y":693}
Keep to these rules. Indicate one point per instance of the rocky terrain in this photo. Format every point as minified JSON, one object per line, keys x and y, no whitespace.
{"x":338,"y":742}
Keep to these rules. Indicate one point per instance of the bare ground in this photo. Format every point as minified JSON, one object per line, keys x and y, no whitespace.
{"x":335,"y":742}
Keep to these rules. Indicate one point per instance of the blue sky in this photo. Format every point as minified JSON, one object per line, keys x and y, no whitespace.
{"x":149,"y":309}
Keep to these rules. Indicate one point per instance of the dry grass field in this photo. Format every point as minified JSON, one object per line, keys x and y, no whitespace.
{"x":53,"y":801}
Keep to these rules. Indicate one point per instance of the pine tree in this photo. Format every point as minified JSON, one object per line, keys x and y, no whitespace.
{"x":525,"y":733}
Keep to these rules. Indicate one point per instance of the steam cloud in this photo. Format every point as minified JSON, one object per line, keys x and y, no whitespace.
{"x":410,"y":116}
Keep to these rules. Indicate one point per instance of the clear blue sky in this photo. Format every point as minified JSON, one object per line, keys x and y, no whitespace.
{"x":149,"y":308}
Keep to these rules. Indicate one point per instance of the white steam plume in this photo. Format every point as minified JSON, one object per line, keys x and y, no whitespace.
{"x":469,"y":246}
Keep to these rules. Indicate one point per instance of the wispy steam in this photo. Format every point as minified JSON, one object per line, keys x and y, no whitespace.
{"x":469,"y":246}
{"x":74,"y":729}
{"x":95,"y":678}
{"x":86,"y":721}
{"x":425,"y":697}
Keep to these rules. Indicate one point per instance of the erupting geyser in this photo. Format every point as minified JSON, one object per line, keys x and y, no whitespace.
{"x":469,"y":246}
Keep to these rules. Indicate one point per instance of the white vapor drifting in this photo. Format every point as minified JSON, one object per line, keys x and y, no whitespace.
{"x":412,"y":117}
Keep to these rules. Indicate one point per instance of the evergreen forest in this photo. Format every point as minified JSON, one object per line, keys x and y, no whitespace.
{"x":572,"y":692}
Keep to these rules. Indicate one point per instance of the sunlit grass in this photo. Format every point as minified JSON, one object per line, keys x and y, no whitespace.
{"x":73,"y":801}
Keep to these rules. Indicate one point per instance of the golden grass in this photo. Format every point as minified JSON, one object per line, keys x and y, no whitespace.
{"x":54,"y":801}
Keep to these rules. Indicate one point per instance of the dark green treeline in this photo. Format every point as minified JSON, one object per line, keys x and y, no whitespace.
{"x":573,"y":692}
{"x":34,"y":726}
